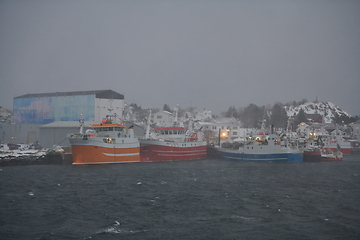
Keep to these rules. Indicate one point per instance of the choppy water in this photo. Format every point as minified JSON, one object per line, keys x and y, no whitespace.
{"x":207,"y":199}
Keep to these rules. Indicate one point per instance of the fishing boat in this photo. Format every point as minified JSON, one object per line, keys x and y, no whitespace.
{"x":331,"y":143}
{"x":330,"y":155}
{"x":312,"y":148}
{"x":13,"y":146}
{"x":312,"y":154}
{"x":111,"y":141}
{"x":268,"y":150}
{"x":171,"y":144}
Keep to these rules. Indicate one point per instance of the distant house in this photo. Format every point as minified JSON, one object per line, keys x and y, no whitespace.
{"x":203,"y":116}
{"x":356,"y":129}
{"x":198,"y":116}
{"x":314,"y":118}
{"x":4,"y":114}
{"x":227,"y":129}
{"x":163,"y":118}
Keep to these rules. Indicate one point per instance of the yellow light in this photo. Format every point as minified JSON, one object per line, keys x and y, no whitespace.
{"x":223,"y":134}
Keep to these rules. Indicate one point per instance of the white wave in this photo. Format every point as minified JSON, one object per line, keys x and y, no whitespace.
{"x":117,"y":228}
{"x":242,"y":217}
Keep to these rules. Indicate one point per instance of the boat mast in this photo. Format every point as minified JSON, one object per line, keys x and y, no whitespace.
{"x":176,"y":114}
{"x":81,"y":121}
{"x":147,"y":134}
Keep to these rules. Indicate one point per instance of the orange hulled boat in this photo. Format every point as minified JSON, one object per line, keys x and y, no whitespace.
{"x":107,"y":142}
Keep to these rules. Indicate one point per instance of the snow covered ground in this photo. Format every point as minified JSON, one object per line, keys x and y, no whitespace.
{"x":326,"y":109}
{"x":25,"y":150}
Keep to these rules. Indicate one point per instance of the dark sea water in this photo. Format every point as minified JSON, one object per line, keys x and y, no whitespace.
{"x":206,"y":199}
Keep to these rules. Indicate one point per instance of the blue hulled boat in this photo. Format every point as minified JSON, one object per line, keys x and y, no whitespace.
{"x":268,"y":150}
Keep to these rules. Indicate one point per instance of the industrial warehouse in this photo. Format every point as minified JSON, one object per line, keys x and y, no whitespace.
{"x":48,"y":118}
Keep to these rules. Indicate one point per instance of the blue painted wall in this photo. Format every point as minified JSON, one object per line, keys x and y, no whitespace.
{"x":50,"y":109}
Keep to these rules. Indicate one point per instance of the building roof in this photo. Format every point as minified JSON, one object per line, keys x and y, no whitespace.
{"x":105,"y":94}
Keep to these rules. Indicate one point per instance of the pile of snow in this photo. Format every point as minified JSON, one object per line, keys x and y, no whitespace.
{"x":327,"y":110}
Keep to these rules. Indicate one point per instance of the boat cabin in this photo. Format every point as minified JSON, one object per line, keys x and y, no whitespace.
{"x":170,"y":130}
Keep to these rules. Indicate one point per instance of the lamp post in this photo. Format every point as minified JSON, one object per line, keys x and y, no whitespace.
{"x":228,"y":133}
{"x":219,"y":136}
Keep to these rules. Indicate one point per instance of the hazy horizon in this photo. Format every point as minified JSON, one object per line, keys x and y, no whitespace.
{"x":204,"y":54}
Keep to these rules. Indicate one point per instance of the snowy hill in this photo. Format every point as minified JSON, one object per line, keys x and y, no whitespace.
{"x":326,"y":109}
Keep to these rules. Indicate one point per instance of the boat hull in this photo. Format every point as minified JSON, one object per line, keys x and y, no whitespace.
{"x":258,"y":157}
{"x":154,"y":150}
{"x":327,"y":159}
{"x":96,"y":151}
{"x":312,"y":156}
{"x":13,"y":146}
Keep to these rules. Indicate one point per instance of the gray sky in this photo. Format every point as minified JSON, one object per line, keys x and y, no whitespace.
{"x":205,"y":54}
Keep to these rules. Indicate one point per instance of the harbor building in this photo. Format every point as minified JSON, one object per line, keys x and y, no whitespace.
{"x":46,"y":108}
{"x":49,"y":117}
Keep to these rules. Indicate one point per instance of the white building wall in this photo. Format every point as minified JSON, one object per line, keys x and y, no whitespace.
{"x":356,"y":129}
{"x":163,"y":118}
{"x":102,"y":107}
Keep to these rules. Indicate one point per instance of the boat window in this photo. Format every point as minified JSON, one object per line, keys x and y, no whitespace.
{"x":170,"y":132}
{"x":111,"y":129}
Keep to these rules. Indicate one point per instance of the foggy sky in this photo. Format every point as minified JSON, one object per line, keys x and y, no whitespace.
{"x":204,"y":54}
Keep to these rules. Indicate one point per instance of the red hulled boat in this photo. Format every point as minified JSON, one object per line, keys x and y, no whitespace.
{"x":172,"y":144}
